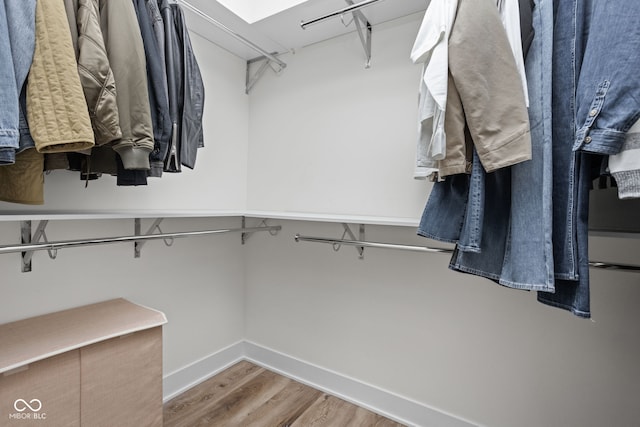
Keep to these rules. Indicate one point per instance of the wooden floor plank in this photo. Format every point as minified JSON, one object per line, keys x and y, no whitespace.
{"x":187,"y":406}
{"x":231,"y":410}
{"x":246,"y":395}
{"x":330,"y":411}
{"x":283,"y":408}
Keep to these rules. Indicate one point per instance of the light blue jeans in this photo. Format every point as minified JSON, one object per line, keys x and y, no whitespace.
{"x":17,"y":43}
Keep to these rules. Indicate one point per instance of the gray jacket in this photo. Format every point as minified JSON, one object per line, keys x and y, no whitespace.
{"x":127,"y":59}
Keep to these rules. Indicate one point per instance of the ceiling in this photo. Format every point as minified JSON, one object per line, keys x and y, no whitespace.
{"x":281,"y":31}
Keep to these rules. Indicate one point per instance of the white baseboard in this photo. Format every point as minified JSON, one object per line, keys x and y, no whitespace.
{"x":390,"y":405}
{"x":201,"y":370}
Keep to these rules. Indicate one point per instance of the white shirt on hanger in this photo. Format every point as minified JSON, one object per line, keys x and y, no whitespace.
{"x":431,"y":48}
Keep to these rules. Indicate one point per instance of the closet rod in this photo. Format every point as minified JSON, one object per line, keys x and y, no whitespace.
{"x":350,"y":8}
{"x":120,"y":239}
{"x":232,"y":33}
{"x":299,"y":238}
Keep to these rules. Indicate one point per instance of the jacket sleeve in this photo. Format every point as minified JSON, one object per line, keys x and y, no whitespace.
{"x":485,"y":75}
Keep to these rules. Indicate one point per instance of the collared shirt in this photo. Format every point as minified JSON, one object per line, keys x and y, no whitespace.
{"x":431,"y":48}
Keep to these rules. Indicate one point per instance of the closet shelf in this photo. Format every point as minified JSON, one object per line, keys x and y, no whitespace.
{"x":119,"y":214}
{"x":339,"y":218}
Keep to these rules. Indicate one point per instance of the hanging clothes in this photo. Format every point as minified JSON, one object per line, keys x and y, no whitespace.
{"x":511,"y":245}
{"x":516,"y":247}
{"x":475,"y":109}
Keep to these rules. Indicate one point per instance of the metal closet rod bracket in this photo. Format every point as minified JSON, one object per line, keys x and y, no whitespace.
{"x":262,"y":226}
{"x":361,"y":22}
{"x":31,"y":242}
{"x":27,"y":238}
{"x":265,"y":62}
{"x":270,"y":59}
{"x":137,"y":227}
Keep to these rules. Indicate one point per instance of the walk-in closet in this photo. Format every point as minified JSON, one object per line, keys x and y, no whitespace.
{"x":289,"y":249}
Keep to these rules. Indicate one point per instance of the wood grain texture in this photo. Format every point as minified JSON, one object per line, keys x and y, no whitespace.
{"x":246,"y":395}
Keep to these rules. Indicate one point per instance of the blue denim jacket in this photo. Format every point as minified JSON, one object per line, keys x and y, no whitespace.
{"x":17,"y":43}
{"x":608,"y":84}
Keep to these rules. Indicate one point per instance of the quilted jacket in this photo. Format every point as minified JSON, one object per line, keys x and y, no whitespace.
{"x":56,"y":108}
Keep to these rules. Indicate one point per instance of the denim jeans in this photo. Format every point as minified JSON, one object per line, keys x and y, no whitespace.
{"x":528,"y":259}
{"x":17,"y":43}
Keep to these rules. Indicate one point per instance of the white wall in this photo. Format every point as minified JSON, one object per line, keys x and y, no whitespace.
{"x":328,"y":136}
{"x":466,"y":346}
{"x":198,"y":282}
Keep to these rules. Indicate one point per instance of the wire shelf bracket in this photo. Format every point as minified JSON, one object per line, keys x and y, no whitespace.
{"x":362,"y":24}
{"x":264,"y":63}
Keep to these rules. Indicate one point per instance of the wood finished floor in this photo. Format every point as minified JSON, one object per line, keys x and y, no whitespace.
{"x":246,"y":395}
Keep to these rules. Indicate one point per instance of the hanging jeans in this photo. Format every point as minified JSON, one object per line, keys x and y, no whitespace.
{"x":516,"y":248}
{"x":502,"y":220}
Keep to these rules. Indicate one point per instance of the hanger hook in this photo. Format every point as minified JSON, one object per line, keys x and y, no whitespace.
{"x":169,"y":240}
{"x":346,"y":24}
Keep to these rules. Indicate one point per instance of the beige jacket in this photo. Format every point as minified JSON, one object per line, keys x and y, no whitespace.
{"x":23,"y":181}
{"x":56,"y":108}
{"x":485,"y":94}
